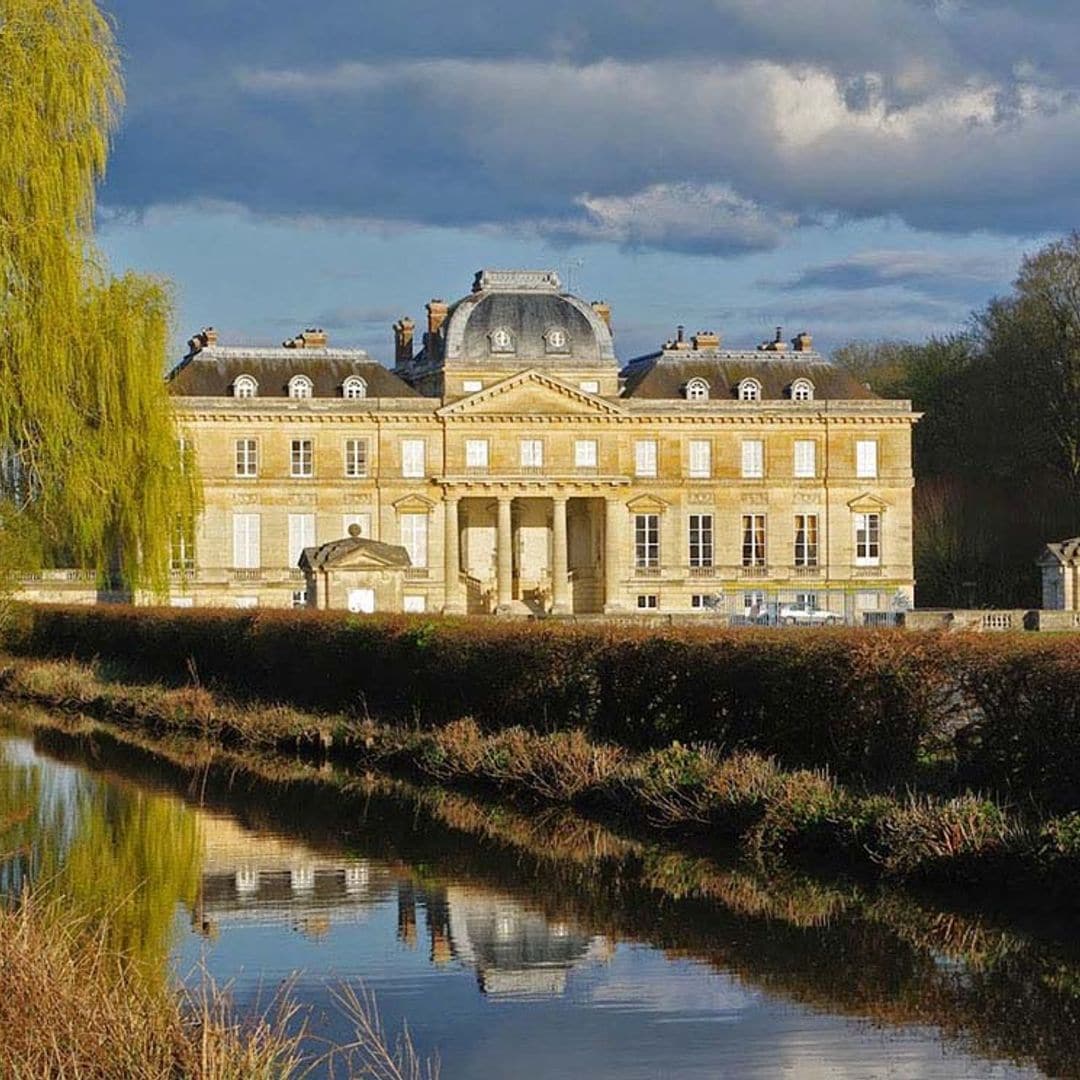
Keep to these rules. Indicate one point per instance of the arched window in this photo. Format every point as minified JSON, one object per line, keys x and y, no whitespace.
{"x":697,"y":390}
{"x":245,"y":386}
{"x":502,"y":341}
{"x":300,"y":386}
{"x":555,"y":339}
{"x":749,"y":390}
{"x":802,"y":390}
{"x":354,"y":388}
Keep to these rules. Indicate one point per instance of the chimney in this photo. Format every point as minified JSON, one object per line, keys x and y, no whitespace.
{"x":803,"y":342}
{"x":706,"y":339}
{"x":778,"y":344}
{"x":437,"y":311}
{"x":403,"y":341}
{"x":308,"y":339}
{"x":680,"y":337}
{"x":603,"y":309}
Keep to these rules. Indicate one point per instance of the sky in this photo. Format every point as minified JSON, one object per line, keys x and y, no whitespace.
{"x":858,"y":169}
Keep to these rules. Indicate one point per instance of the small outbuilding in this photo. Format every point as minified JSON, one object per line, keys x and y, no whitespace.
{"x":355,"y":574}
{"x":1060,"y":566}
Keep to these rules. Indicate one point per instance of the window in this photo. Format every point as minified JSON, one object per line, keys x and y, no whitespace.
{"x":697,"y":390}
{"x":749,"y":390}
{"x":868,"y":601}
{"x":471,"y":386}
{"x":701,"y":540}
{"x":245,"y":386}
{"x":802,"y":390}
{"x":299,"y":598}
{"x":246,"y":602}
{"x":247,"y":457}
{"x":648,"y":602}
{"x":866,"y":458}
{"x":647,"y":540}
{"x":806,"y":540}
{"x":867,"y":539}
{"x":706,"y":602}
{"x":356,"y":458}
{"x":502,"y":341}
{"x":700,"y":458}
{"x":301,"y":535}
{"x":300,"y":386}
{"x":585,"y":454}
{"x":182,"y":548}
{"x":805,"y":458}
{"x":556,"y":339}
{"x":414,"y":537}
{"x":354,"y":388}
{"x":532,"y":454}
{"x":246,"y":541}
{"x":476,"y":454}
{"x":808,"y":601}
{"x":303,"y":459}
{"x":414,"y":605}
{"x":753,"y":602}
{"x":753,"y":459}
{"x":590,"y":386}
{"x":645,"y":457}
{"x":753,"y":542}
{"x":361,"y":521}
{"x":184,"y":452}
{"x":412,"y":457}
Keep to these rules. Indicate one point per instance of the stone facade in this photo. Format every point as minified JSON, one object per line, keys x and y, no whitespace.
{"x":523,"y":471}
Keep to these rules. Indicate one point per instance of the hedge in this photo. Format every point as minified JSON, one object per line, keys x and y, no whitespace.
{"x":1004,"y":709}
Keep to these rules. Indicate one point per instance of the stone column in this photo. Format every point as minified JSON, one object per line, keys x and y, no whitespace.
{"x":454,"y":600}
{"x":615,"y":557}
{"x":504,"y":554}
{"x":560,"y":569}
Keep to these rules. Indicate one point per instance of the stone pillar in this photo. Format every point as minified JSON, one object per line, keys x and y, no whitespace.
{"x":615,"y":557}
{"x":454,"y":599}
{"x":560,"y":569}
{"x":504,"y":554}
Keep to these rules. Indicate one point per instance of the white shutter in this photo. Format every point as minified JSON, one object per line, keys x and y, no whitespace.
{"x":585,"y":454}
{"x":476,"y":453}
{"x":700,"y":458}
{"x":753,"y":458}
{"x":414,"y":537}
{"x":246,"y":541}
{"x":532,"y":453}
{"x":805,"y":458}
{"x":301,"y":535}
{"x":645,"y":457}
{"x":866,"y":459}
{"x":412,"y":457}
{"x":362,"y":520}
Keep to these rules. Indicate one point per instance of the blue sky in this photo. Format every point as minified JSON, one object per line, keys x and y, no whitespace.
{"x":855,"y":168}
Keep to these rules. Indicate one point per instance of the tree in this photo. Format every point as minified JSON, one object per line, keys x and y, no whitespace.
{"x":90,"y":453}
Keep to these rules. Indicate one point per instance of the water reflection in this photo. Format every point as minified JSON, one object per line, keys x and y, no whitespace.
{"x":587,"y":945}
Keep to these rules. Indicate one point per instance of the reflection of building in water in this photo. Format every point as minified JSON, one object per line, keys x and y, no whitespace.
{"x":515,"y":952}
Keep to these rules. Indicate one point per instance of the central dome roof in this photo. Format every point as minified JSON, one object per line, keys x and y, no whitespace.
{"x":521,"y":317}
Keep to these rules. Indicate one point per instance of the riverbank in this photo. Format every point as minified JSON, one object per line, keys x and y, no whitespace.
{"x":774,"y":815}
{"x":1005,"y":985}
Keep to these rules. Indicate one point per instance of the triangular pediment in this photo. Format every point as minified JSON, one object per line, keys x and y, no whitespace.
{"x":355,"y":553}
{"x":413,"y":504}
{"x":867,"y":504}
{"x":531,"y":393}
{"x":647,"y":504}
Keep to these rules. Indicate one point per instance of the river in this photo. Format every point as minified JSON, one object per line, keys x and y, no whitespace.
{"x":522,"y":945}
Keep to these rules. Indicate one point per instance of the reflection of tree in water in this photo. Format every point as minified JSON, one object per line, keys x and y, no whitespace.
{"x":118,"y":855}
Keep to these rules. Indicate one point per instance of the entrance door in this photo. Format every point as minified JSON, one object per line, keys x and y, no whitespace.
{"x":361,"y":601}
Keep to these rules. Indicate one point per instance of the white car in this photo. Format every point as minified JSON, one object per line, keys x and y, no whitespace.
{"x":810,"y":616}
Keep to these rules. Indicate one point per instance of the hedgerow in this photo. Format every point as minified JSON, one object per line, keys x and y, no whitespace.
{"x":1003,"y":711}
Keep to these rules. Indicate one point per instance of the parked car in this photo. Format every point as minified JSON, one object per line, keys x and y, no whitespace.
{"x":795,"y":614}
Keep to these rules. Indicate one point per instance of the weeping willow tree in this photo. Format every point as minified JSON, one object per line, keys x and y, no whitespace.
{"x":89,"y":456}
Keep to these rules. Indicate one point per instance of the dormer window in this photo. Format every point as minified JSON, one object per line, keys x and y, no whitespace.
{"x":749,"y":390}
{"x":354,"y":388}
{"x":245,"y":386}
{"x":697,"y":390}
{"x":300,"y":386}
{"x":555,"y":339}
{"x":502,"y":341}
{"x":802,"y":390}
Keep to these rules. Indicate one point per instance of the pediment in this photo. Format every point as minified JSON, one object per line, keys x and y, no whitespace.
{"x":368,"y":560}
{"x":413,"y":504}
{"x":531,"y":393}
{"x":647,"y":504}
{"x":867,"y":504}
{"x":355,"y":553}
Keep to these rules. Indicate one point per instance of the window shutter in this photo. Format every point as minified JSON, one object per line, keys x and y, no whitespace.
{"x":805,"y":458}
{"x":246,"y":541}
{"x":866,"y":459}
{"x":301,"y":535}
{"x":700,"y":458}
{"x":753,"y":458}
{"x":645,"y":458}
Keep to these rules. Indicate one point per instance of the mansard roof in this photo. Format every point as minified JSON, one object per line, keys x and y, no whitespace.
{"x":212,"y":371}
{"x":664,"y":374}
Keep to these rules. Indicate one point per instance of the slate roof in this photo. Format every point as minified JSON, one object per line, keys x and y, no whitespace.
{"x":663,"y":375}
{"x":212,"y":372}
{"x":327,"y":554}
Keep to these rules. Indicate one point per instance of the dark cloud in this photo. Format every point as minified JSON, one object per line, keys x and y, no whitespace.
{"x":705,"y":128}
